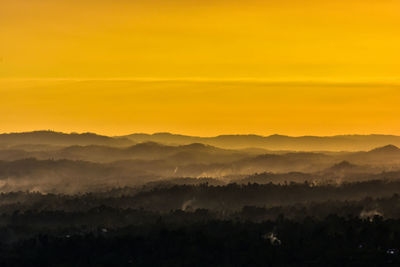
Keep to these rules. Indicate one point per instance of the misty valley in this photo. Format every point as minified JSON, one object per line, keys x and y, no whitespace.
{"x":174,"y":200}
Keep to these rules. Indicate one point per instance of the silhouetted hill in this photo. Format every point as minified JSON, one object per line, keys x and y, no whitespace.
{"x":277,"y":142}
{"x":199,"y":153}
{"x":183,"y":181}
{"x":349,"y":171}
{"x":166,"y":138}
{"x":388,"y":154}
{"x":343,"y":166}
{"x":57,"y":138}
{"x":273,"y":142}
{"x":268,"y":177}
{"x":389,"y":149}
{"x":67,"y":176}
{"x":199,"y":160}
{"x":289,"y":162}
{"x":71,"y":176}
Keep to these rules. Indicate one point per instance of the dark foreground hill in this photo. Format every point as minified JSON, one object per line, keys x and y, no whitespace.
{"x":333,"y":241}
{"x":128,"y":227}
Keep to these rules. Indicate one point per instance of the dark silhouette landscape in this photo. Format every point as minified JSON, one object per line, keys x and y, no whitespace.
{"x":199,"y":133}
{"x":335,"y":202}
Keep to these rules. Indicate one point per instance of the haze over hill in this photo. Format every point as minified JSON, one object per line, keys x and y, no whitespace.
{"x":59,"y":139}
{"x":272,"y":142}
{"x":91,"y":168}
{"x":277,"y":142}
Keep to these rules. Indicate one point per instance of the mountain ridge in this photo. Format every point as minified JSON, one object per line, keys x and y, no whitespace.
{"x":351,"y":142}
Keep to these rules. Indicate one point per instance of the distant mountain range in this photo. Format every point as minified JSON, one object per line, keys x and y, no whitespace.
{"x":276,"y":142}
{"x":37,"y":139}
{"x":59,"y":139}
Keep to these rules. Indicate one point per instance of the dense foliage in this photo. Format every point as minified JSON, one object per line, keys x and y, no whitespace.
{"x":333,"y":241}
{"x":290,"y":224}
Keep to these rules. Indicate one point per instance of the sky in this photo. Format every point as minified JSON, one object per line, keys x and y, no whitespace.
{"x":292,"y":67}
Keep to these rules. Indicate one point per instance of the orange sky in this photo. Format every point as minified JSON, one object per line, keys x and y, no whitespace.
{"x":221,"y":66}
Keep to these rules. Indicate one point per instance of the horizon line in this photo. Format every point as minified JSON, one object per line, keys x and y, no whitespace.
{"x":188,"y":135}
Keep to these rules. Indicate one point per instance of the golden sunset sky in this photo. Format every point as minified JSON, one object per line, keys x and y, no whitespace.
{"x":296,"y":67}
